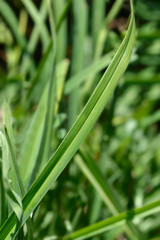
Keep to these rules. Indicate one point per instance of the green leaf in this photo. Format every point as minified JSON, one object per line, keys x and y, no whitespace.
{"x":98,"y":14}
{"x":14,"y":167}
{"x":31,"y":146}
{"x":63,"y":15}
{"x":114,"y":222}
{"x":78,"y":132}
{"x":11,"y":142}
{"x":3,"y":200}
{"x":36,"y":81}
{"x":13,"y":198}
{"x":104,"y":30}
{"x":80,"y":14}
{"x":58,"y":7}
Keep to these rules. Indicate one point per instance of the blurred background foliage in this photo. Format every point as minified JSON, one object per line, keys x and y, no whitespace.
{"x":125,"y":143}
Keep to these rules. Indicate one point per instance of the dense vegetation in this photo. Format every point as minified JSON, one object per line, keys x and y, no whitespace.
{"x":96,"y":176}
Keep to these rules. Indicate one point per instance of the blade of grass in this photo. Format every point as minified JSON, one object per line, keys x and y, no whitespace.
{"x":31,"y":145}
{"x":62,"y":69}
{"x":43,"y":154}
{"x":98,"y":13}
{"x":17,"y":185}
{"x":14,"y":160}
{"x":114,"y":222}
{"x":78,"y":132}
{"x":77,"y":62}
{"x":150,"y":119}
{"x":63,"y":14}
{"x":13,"y":198}
{"x":34,"y":82}
{"x":104,"y":31}
{"x":3,"y":200}
{"x":131,"y":79}
{"x":9,"y":134}
{"x":95,"y":208}
{"x":54,"y":96}
{"x":11,"y":144}
{"x":102,"y":37}
{"x":33,"y":138}
{"x":58,"y":7}
{"x":91,"y":171}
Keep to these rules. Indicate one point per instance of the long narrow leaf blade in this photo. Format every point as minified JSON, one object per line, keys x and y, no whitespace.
{"x":114,"y":222}
{"x":9,"y":134}
{"x":13,"y":198}
{"x":79,"y":130}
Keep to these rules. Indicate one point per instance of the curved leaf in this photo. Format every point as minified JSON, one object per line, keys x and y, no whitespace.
{"x":78,"y":132}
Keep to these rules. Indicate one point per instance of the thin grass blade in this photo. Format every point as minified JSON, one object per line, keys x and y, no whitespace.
{"x":79,"y":130}
{"x":114,"y":222}
{"x":77,"y":62}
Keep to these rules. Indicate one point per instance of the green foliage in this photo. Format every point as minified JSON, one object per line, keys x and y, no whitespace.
{"x":79,"y":134}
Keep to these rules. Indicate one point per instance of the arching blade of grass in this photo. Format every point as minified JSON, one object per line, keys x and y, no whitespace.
{"x":114,"y":222}
{"x":12,"y":21}
{"x":91,"y":171}
{"x":78,"y":132}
